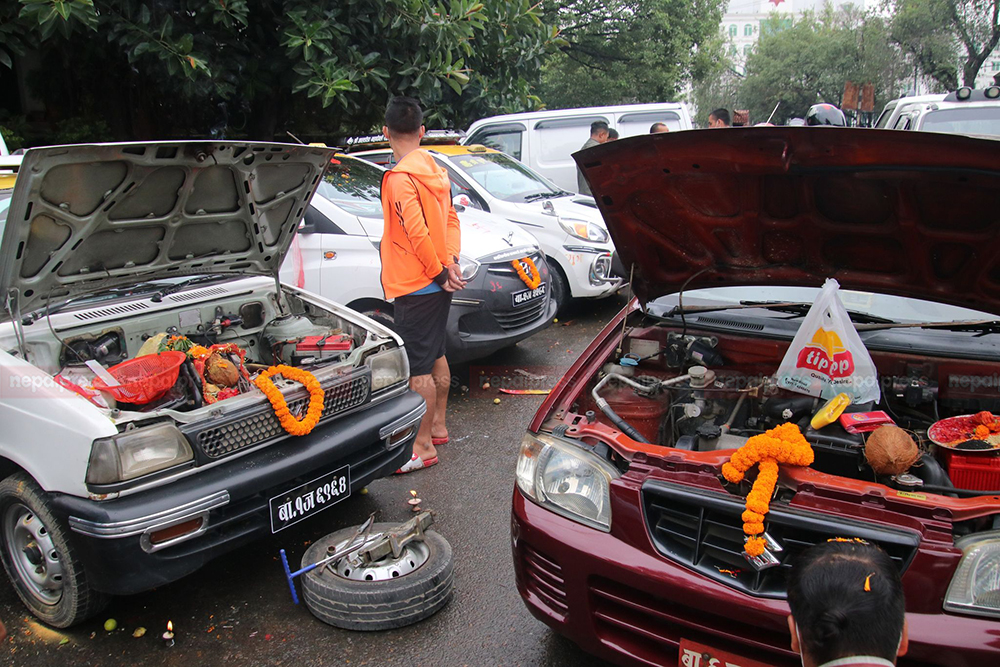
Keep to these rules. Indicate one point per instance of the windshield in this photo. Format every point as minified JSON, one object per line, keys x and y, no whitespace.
{"x":354,"y":185}
{"x":970,"y":120}
{"x":895,"y":308}
{"x":506,"y":178}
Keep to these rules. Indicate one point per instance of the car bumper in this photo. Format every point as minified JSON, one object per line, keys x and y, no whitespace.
{"x":633,"y":608}
{"x":590,"y":271}
{"x":112,"y":537}
{"x":483,"y":318}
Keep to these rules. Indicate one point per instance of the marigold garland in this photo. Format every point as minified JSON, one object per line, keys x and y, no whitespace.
{"x":533,"y":280}
{"x":308,"y":380}
{"x":782,"y":444}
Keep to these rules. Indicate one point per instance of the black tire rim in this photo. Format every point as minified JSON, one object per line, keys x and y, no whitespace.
{"x":33,"y":554}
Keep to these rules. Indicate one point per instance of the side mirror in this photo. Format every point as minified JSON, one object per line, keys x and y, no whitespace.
{"x":461,"y":200}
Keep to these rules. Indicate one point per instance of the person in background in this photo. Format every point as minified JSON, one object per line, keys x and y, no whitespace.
{"x":612,"y":134}
{"x":420,"y":245}
{"x":847,"y":606}
{"x":598,"y":135}
{"x":719,"y":118}
{"x":658,"y":128}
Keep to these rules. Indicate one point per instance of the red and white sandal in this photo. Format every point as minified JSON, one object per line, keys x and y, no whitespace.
{"x":437,"y":442}
{"x":416,"y":463}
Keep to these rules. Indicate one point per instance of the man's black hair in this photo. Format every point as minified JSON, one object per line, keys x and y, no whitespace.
{"x":403,"y":115}
{"x":718,"y":114}
{"x":835,"y":614}
{"x":612,"y":133}
{"x":655,"y":127}
{"x":598,"y":126}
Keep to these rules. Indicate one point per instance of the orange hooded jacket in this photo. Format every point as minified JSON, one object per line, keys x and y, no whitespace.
{"x":422,"y":235}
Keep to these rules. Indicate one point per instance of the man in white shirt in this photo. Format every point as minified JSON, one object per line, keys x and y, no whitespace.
{"x":847,"y":606}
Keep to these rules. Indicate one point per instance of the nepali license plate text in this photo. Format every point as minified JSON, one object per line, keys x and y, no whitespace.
{"x":693,"y":654}
{"x":526,"y":295}
{"x":310,"y":498}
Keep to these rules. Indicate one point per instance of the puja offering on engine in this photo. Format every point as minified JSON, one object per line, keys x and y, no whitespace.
{"x":980,"y":431}
{"x":891,"y":451}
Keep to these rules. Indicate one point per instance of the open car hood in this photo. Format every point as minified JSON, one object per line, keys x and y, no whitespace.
{"x":89,"y":217}
{"x":907,"y":213}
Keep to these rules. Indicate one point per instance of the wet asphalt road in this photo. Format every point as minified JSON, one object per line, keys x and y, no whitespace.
{"x":237,"y":610}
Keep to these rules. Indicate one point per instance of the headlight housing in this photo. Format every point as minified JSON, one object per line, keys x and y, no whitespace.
{"x":137,"y":452}
{"x":975,"y":587}
{"x":388,"y":368}
{"x":566,"y":479}
{"x":468,"y":267}
{"x":581,"y":229}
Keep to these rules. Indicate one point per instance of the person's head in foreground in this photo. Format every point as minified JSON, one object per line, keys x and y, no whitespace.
{"x":847,"y":607}
{"x":719,"y":118}
{"x":658,"y":128}
{"x":612,"y":134}
{"x":599,"y":131}
{"x":404,"y":125}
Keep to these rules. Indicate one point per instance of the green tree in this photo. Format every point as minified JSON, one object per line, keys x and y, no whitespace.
{"x":809,"y":62}
{"x":264,"y":66}
{"x":716,"y":80}
{"x":948,"y":38}
{"x":624,"y":51}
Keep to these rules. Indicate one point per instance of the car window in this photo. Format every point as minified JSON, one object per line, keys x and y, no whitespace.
{"x":355,"y":186}
{"x":902,"y":123}
{"x":506,"y":142}
{"x":970,"y":120}
{"x":632,"y":124}
{"x":886,"y":114}
{"x":503,"y":177}
{"x":316,"y":222}
{"x":560,"y":137}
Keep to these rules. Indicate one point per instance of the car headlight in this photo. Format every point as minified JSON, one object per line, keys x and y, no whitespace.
{"x":566,"y":479}
{"x":468,"y":267}
{"x":137,"y":452}
{"x":388,"y":368}
{"x":581,"y":229}
{"x":975,"y":587}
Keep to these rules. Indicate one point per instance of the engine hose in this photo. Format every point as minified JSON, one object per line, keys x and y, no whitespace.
{"x":622,"y":425}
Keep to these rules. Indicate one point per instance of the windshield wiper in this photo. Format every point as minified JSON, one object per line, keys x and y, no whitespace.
{"x":981,"y":326}
{"x":793,"y":307}
{"x":184,"y":284}
{"x":545,"y":195}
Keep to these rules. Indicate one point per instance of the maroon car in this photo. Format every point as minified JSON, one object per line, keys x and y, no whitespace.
{"x":626,"y":537}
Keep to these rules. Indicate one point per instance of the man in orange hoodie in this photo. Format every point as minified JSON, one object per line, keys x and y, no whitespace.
{"x":419,"y":250}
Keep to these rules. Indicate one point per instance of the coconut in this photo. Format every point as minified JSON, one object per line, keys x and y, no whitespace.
{"x":890,"y":450}
{"x":221,"y":372}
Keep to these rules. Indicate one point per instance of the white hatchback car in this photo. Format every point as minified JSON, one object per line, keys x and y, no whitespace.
{"x":336,"y":254}
{"x":568,"y":226}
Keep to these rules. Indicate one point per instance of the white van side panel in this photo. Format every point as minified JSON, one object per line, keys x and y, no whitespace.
{"x":553,"y":141}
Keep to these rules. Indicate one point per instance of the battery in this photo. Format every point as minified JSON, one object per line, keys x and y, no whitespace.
{"x":322,"y":347}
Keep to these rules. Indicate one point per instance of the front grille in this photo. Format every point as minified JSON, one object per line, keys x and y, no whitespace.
{"x":515,"y":319}
{"x":506,"y":269}
{"x":652,"y":627}
{"x":543,"y":577}
{"x":225,"y":437}
{"x":704,"y":531}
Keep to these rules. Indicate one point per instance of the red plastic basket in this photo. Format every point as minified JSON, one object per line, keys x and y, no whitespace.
{"x":144,"y":379}
{"x":974,"y":470}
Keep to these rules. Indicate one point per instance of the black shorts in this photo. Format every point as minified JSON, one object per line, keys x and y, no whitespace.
{"x":420,"y":320}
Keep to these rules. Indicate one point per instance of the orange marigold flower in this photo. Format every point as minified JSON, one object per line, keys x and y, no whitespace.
{"x":981,"y":432}
{"x":288,"y":422}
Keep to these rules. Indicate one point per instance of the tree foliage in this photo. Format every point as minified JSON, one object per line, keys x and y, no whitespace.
{"x":810,"y":61}
{"x":623,"y":51}
{"x":935,"y":32}
{"x":263,"y":66}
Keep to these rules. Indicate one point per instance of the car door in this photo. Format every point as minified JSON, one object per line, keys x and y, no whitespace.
{"x":553,"y":141}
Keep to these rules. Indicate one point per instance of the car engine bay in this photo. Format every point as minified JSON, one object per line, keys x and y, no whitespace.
{"x":697,"y":391}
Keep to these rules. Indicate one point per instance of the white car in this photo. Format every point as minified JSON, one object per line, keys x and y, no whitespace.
{"x":114,"y":248}
{"x":569,"y":228}
{"x":964,"y":111}
{"x":546,"y":140}
{"x":336,"y":254}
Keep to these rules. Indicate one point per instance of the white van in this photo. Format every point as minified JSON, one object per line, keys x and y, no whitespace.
{"x":544,"y":140}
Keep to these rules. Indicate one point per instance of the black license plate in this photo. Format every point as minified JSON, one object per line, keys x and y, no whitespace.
{"x":310,"y":498}
{"x":528,"y":295}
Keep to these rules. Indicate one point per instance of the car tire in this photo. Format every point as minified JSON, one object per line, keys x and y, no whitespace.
{"x":381,"y":314}
{"x":379,"y":603}
{"x":560,"y":287}
{"x":32,"y":540}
